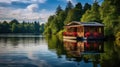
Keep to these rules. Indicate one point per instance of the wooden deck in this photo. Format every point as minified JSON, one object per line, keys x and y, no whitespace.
{"x":81,"y":38}
{"x":70,"y":37}
{"x":69,"y":40}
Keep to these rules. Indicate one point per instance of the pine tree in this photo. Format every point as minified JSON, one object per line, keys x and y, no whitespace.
{"x":92,"y":15}
{"x":86,"y":7}
{"x":14,"y":21}
{"x":74,"y":14}
{"x":69,"y":7}
{"x":58,"y":10}
{"x":61,"y":18}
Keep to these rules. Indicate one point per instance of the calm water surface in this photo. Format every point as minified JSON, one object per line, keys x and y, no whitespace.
{"x":38,"y":51}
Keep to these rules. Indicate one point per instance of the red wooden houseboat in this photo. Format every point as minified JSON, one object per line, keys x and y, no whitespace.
{"x":83,"y":30}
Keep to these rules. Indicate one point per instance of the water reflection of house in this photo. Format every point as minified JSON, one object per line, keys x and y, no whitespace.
{"x":75,"y":48}
{"x":83,"y":51}
{"x":90,"y":30}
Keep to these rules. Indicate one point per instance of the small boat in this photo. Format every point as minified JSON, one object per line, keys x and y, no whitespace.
{"x":84,"y":31}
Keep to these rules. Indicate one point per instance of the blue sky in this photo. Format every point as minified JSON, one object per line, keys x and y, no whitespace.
{"x":32,"y":10}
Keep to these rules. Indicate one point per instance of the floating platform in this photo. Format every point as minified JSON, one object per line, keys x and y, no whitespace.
{"x":81,"y":38}
{"x":70,"y":37}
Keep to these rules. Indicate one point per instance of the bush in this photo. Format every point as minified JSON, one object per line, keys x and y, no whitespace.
{"x":118,"y":35}
{"x":118,"y":39}
{"x":60,"y":34}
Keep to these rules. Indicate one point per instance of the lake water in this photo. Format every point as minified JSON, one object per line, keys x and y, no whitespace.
{"x":38,"y":51}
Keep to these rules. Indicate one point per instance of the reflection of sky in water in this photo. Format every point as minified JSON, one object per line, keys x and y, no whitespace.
{"x":31,"y":52}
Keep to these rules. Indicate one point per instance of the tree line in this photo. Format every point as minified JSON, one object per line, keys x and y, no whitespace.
{"x":25,"y":27}
{"x":107,"y":13}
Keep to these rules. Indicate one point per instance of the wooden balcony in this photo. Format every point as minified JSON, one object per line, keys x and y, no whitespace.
{"x":70,"y":34}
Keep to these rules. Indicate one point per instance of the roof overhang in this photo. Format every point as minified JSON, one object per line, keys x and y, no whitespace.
{"x":75,"y":23}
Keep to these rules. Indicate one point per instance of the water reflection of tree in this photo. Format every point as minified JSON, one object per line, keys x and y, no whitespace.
{"x":92,"y":58}
{"x":14,"y":41}
{"x":111,"y":57}
{"x":4,"y":40}
{"x":83,"y":52}
{"x":31,"y":41}
{"x":58,"y":46}
{"x":55,"y":44}
{"x":23,"y":41}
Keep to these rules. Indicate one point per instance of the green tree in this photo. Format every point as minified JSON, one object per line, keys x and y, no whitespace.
{"x":0,"y":27}
{"x":86,"y":7}
{"x":58,"y":10}
{"x":20,"y":28}
{"x":110,"y":14}
{"x":42,"y":28}
{"x":23,"y":27}
{"x":61,"y":18}
{"x":69,"y":7}
{"x":14,"y":28}
{"x":6,"y":27}
{"x":37,"y":27}
{"x":14,"y":25}
{"x":78,"y":11}
{"x":54,"y":26}
{"x":14,"y":21}
{"x":56,"y":22}
{"x":47,"y":25}
{"x":33,"y":29}
{"x":74,"y":14}
{"x":92,"y":15}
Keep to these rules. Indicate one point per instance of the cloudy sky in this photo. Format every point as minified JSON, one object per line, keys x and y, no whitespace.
{"x":32,"y":10}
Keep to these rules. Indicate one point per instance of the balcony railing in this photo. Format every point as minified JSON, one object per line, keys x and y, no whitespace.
{"x":93,"y":34}
{"x":70,"y":33}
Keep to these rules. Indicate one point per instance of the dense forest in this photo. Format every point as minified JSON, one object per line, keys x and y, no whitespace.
{"x":25,"y":27}
{"x":107,"y":13}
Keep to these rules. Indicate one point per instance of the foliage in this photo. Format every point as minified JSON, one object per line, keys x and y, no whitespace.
{"x":74,"y":14}
{"x":111,"y":57}
{"x":92,"y":14}
{"x":118,"y":39}
{"x":4,"y":26}
{"x":110,"y":14}
{"x":107,"y":13}
{"x":56,"y":22}
{"x":60,"y":34}
{"x":118,"y":34}
{"x":14,"y":21}
{"x":15,"y":27}
{"x":69,"y":7}
{"x":86,"y":7}
{"x":58,"y":10}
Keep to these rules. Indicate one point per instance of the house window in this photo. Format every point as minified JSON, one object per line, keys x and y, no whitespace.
{"x":80,"y":29}
{"x":100,"y":31}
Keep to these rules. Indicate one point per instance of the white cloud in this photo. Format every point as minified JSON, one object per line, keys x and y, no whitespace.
{"x":31,"y":1}
{"x":30,"y":13}
{"x":33,"y":7}
{"x":69,"y":0}
{"x":24,"y":1}
{"x":41,"y":1}
{"x":5,"y":1}
{"x":27,"y":14}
